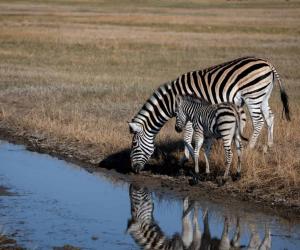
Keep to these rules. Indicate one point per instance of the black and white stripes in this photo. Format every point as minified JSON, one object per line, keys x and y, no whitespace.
{"x":142,"y":226}
{"x":147,"y":234}
{"x":247,"y":80}
{"x":210,"y":121}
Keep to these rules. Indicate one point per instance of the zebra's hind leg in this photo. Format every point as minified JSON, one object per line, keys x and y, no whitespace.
{"x":258,"y":122}
{"x":269,"y":118}
{"x":187,"y":137}
{"x":239,"y":149}
{"x":228,"y":160}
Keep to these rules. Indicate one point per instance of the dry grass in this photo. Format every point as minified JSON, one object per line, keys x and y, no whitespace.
{"x":78,"y":70}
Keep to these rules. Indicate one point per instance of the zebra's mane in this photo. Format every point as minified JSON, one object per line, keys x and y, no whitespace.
{"x":195,"y":99}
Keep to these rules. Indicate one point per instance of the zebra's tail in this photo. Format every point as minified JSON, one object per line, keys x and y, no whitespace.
{"x":284,"y":97}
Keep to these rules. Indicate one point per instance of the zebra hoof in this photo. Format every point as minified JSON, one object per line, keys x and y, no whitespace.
{"x":237,"y":177}
{"x":195,"y":179}
{"x":221,"y":180}
{"x":207,"y":177}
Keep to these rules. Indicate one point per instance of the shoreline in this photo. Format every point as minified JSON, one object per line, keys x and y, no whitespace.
{"x":170,"y":185}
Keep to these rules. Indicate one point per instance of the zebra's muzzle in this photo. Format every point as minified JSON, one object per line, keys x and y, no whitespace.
{"x":136,"y":168}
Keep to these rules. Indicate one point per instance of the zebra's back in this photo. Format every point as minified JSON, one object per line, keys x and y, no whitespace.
{"x":216,"y":118}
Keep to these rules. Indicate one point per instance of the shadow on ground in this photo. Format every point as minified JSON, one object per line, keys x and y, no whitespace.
{"x":162,"y":162}
{"x":165,"y":162}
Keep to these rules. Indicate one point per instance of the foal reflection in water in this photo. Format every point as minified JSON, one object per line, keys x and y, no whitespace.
{"x":148,"y":235}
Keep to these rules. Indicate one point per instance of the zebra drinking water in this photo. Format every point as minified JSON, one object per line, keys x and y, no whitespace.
{"x":209,"y":122}
{"x":142,"y":226}
{"x":246,"y":80}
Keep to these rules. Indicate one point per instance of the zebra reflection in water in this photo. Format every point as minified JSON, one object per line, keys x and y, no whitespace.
{"x":148,"y":235}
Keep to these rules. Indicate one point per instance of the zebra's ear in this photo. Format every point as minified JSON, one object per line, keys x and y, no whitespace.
{"x":134,"y":127}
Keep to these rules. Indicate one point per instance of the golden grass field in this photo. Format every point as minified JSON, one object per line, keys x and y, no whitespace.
{"x":74,"y":72}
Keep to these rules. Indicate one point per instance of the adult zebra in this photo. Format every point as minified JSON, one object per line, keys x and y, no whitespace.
{"x":247,"y":80}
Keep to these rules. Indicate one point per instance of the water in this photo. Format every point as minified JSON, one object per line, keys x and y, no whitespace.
{"x":58,"y":203}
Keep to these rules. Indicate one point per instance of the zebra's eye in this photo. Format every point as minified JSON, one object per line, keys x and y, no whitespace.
{"x":135,"y":141}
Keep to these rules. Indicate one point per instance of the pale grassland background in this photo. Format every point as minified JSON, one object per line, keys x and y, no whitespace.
{"x":76,"y":71}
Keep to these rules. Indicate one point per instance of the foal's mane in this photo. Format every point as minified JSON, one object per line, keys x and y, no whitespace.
{"x":195,"y":99}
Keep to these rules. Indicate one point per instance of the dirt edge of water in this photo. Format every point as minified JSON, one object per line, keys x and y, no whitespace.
{"x":164,"y":184}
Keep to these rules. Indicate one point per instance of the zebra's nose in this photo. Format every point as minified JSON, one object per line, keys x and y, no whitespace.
{"x":136,"y":167}
{"x":178,"y":129}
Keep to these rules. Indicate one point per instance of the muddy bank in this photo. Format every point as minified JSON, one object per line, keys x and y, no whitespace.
{"x":166,"y":179}
{"x":4,"y":191}
{"x":6,"y":242}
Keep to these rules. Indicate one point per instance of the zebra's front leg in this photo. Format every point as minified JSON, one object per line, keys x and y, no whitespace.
{"x":191,"y":151}
{"x":196,"y":243}
{"x":187,"y":226}
{"x":228,"y":159}
{"x":224,"y":242}
{"x":235,"y":242}
{"x":187,"y":137}
{"x":198,"y":143}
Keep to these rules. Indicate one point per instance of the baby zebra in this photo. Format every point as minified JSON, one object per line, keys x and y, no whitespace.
{"x":210,"y":121}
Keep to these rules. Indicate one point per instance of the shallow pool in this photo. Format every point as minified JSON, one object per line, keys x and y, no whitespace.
{"x":57,"y":203}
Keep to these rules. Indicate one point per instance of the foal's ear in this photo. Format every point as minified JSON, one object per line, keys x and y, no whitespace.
{"x":134,"y":127}
{"x":178,"y":100}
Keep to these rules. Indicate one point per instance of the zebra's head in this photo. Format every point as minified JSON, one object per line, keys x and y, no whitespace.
{"x":141,"y":203}
{"x":142,"y":146}
{"x":181,"y":118}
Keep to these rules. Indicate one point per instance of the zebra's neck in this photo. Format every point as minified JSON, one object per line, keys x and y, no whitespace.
{"x":191,"y":109}
{"x":158,"y":109}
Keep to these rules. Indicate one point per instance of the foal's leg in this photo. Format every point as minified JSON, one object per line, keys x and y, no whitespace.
{"x":187,"y":137}
{"x":207,"y":147}
{"x":239,"y":149}
{"x":198,"y":144}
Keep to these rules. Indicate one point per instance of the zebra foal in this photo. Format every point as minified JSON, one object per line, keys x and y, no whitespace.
{"x":210,"y":121}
